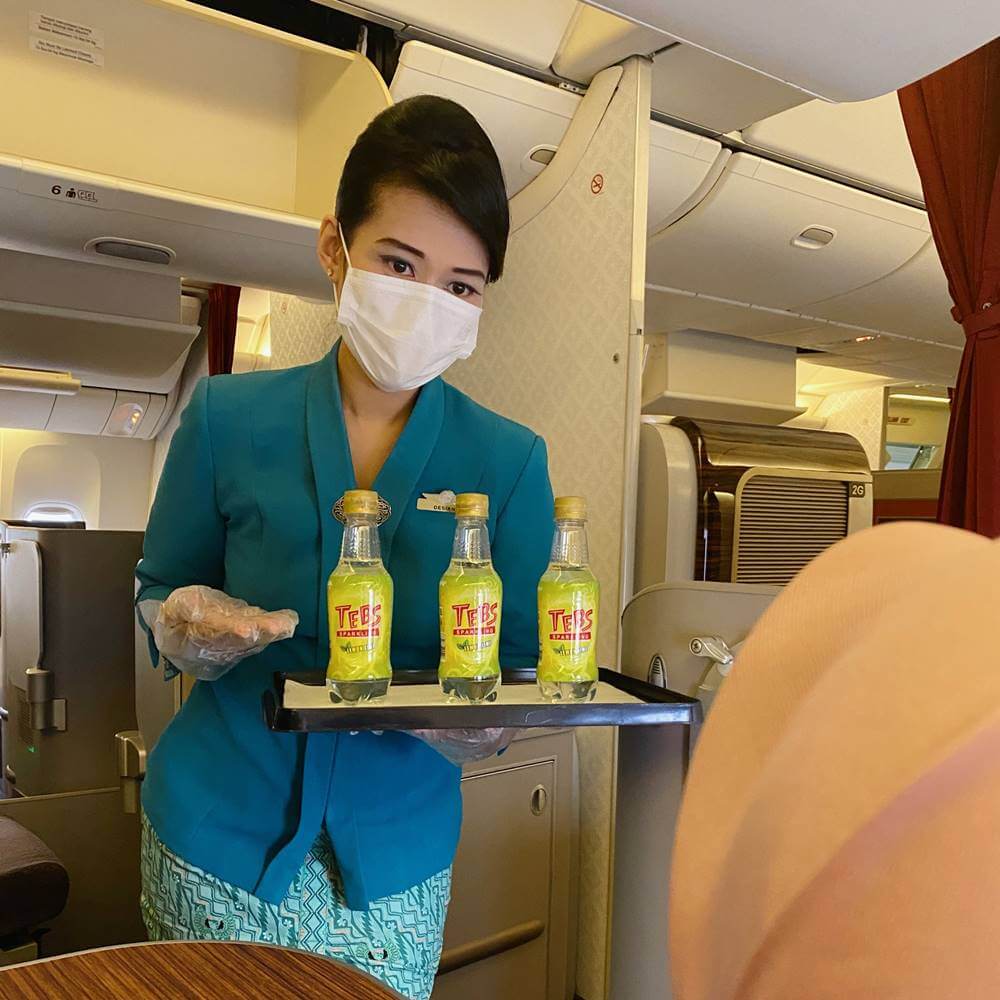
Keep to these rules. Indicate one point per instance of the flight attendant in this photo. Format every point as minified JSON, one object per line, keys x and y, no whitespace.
{"x":336,"y":843}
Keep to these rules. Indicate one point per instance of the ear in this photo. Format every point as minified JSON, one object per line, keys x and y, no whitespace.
{"x":330,"y":250}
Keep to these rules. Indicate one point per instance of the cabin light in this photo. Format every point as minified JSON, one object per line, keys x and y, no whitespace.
{"x":28,"y":380}
{"x":916,"y":398}
{"x":865,"y":340}
{"x":124,"y":420}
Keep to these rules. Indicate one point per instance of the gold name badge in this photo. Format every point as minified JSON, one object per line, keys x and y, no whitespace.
{"x":443,"y":501}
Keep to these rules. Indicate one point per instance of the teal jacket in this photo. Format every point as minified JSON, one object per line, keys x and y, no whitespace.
{"x":244,"y":505}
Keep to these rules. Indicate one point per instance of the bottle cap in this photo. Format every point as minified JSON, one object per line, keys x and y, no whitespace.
{"x":571,"y":509}
{"x":360,"y":502}
{"x":472,"y":505}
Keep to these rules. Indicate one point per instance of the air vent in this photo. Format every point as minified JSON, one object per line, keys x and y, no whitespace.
{"x":784,"y":523}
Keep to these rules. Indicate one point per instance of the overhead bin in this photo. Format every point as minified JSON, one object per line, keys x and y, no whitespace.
{"x":175,"y":139}
{"x":912,"y":301}
{"x":837,"y":51}
{"x":108,"y":328}
{"x":525,"y":119}
{"x":680,"y":164}
{"x":524,"y":31}
{"x":86,"y":349}
{"x":864,"y":141}
{"x":772,"y":236}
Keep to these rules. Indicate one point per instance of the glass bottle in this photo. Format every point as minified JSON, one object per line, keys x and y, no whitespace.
{"x":470,"y":601}
{"x":568,"y":606}
{"x":359,"y":607}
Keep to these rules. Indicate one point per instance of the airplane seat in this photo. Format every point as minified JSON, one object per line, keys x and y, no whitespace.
{"x":34,"y":887}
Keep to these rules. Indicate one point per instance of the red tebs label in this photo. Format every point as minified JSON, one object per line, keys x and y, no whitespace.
{"x":359,"y":621}
{"x":571,"y":625}
{"x":475,"y":619}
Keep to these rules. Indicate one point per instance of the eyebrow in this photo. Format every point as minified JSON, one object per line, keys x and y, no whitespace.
{"x":471,"y":272}
{"x":400,"y":245}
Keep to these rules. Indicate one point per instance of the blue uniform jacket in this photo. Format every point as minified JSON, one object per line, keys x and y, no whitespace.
{"x":244,"y":505}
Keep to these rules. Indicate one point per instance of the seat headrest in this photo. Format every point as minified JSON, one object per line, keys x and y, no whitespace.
{"x":34,"y":884}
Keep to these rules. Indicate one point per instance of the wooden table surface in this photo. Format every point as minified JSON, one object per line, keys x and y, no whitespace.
{"x":194,"y":970}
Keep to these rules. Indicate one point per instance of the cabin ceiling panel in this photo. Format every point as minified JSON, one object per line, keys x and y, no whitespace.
{"x":843,"y":52}
{"x":596,"y":39}
{"x":864,"y":140}
{"x":707,"y":90}
{"x":668,"y":310}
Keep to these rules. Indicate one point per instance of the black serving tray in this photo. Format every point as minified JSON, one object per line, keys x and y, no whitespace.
{"x":654,"y":706}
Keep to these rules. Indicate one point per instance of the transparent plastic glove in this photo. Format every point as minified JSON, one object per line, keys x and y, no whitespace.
{"x":205,"y":632}
{"x":463,"y":746}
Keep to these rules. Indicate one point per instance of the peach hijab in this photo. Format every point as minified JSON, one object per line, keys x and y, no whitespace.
{"x":839,"y":837}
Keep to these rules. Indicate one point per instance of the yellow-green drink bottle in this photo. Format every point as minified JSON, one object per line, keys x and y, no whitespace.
{"x":568,"y":607}
{"x":471,"y":603}
{"x":359,"y":607}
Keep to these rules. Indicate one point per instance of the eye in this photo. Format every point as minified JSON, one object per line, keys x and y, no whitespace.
{"x":399,"y":266}
{"x":462,"y":290}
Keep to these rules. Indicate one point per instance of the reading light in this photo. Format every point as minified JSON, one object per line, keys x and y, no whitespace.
{"x":124,"y":420}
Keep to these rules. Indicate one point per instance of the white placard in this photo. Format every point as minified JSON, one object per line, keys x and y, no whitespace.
{"x":299,"y":696}
{"x":55,"y":36}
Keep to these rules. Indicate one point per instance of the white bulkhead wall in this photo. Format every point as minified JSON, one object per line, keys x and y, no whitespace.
{"x":106,"y":479}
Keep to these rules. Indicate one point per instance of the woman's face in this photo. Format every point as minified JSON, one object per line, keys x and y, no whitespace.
{"x":410,"y":236}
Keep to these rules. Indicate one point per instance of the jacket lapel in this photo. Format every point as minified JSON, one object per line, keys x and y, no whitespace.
{"x":333,"y":472}
{"x":397,"y":480}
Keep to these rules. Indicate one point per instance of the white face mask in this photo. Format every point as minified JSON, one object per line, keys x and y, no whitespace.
{"x":402,"y":332}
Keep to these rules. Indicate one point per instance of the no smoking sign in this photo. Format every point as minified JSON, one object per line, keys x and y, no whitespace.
{"x":597,"y":184}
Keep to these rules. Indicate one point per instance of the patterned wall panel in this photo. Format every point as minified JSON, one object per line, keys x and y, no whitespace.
{"x":861,"y":413}
{"x":552,"y":354}
{"x":301,"y":331}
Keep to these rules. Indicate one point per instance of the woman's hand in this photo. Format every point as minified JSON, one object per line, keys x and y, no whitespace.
{"x":463,"y":746}
{"x":205,"y":632}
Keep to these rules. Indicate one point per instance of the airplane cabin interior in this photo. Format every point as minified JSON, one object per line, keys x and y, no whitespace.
{"x":724,"y":308}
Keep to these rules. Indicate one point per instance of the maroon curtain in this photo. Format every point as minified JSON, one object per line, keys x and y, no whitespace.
{"x":953,"y":121}
{"x":223,"y":302}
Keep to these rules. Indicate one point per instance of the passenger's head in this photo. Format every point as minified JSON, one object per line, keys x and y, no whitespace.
{"x":421,"y":197}
{"x":838,"y":837}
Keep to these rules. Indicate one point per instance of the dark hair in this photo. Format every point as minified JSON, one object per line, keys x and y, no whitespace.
{"x":434,"y":146}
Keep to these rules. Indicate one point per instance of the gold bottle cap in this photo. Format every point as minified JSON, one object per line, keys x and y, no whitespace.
{"x":571,"y":509}
{"x":360,"y":502}
{"x":472,"y":505}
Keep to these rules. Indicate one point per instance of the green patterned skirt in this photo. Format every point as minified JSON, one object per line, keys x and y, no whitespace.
{"x":398,"y":940}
